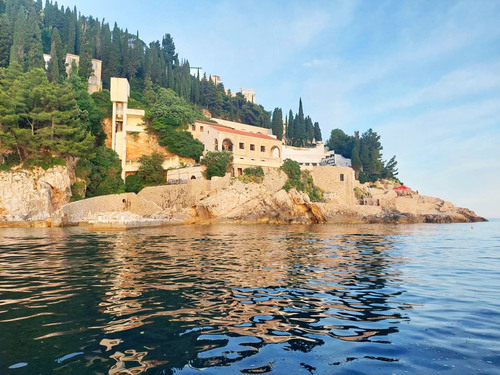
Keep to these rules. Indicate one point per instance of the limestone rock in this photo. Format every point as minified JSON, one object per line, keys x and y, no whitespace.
{"x":33,"y":195}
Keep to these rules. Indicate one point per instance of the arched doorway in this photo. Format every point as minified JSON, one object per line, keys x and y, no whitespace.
{"x":227,"y":145}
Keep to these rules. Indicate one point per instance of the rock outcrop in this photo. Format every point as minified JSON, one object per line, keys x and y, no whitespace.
{"x":42,"y":196}
{"x":33,"y":196}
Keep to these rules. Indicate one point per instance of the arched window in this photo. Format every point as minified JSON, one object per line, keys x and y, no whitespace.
{"x":275,"y":152}
{"x":227,"y":145}
{"x":216,"y":144}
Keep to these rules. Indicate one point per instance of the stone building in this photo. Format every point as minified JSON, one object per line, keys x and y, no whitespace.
{"x":251,"y":146}
{"x":126,"y":134}
{"x":95,"y":81}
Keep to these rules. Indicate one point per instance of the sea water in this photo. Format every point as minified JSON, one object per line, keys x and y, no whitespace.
{"x":252,"y":299}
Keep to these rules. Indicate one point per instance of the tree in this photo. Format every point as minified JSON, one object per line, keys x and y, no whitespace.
{"x":317,"y":132}
{"x":390,"y":170}
{"x":56,"y":66}
{"x":341,"y":143}
{"x":217,"y":163}
{"x":5,"y":40}
{"x":151,"y":171}
{"x":105,"y":173}
{"x":277,"y":123}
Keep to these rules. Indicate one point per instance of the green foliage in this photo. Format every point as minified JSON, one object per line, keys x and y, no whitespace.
{"x":151,"y":171}
{"x":255,"y":174}
{"x":133,"y":183}
{"x":300,"y":130}
{"x":292,"y":170}
{"x":78,"y":191}
{"x":181,"y":143}
{"x":361,"y":193}
{"x":170,"y":110}
{"x":105,"y":176}
{"x":11,"y":160}
{"x":217,"y":163}
{"x":277,"y":123}
{"x":45,"y":162}
{"x":301,"y":181}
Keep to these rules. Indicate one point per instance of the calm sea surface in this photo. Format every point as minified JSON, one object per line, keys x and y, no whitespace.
{"x":232,"y":299}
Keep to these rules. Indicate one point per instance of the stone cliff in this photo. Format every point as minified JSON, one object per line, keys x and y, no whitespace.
{"x":32,"y":197}
{"x":41,"y":196}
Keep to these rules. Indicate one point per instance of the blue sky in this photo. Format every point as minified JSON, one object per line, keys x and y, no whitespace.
{"x":425,"y":75}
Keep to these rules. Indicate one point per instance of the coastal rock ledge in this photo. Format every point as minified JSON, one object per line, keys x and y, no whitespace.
{"x":40,"y":198}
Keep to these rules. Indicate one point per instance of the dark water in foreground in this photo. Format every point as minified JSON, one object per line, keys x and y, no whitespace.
{"x":326,"y":299}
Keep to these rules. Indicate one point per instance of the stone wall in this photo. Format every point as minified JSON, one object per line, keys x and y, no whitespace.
{"x":81,"y":211}
{"x":33,"y":195}
{"x":329,"y":179}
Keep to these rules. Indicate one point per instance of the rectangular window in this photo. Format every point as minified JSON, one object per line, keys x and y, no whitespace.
{"x":262,"y":148}
{"x":252,"y":147}
{"x":242,"y":146}
{"x":201,"y":128}
{"x":193,"y":127}
{"x":240,"y":171}
{"x":341,"y":177}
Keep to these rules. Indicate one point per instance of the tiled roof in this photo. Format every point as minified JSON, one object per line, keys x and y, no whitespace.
{"x":240,"y":132}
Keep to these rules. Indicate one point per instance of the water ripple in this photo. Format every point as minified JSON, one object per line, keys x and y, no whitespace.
{"x":312,"y":299}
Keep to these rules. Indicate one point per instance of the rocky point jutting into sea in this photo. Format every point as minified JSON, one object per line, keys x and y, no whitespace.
{"x":41,"y":198}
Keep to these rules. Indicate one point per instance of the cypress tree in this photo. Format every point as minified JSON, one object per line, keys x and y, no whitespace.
{"x":34,"y":51}
{"x":277,"y":123}
{"x":317,"y":132}
{"x":5,"y":40}
{"x":71,"y":37}
{"x":19,"y":39}
{"x":115,"y":61}
{"x":56,"y":64}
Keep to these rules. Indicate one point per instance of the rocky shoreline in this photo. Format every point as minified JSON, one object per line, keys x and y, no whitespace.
{"x":39,"y":199}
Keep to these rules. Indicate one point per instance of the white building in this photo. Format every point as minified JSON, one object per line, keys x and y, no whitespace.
{"x":309,"y":157}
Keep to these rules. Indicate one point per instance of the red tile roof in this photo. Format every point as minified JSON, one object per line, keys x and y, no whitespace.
{"x":240,"y":132}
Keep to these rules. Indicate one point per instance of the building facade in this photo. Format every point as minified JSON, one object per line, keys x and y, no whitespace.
{"x":251,"y":146}
{"x":95,"y":81}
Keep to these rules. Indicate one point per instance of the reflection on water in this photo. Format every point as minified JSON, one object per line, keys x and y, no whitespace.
{"x":236,"y":299}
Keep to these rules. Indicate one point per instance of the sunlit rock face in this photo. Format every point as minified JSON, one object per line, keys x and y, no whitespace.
{"x":33,"y":195}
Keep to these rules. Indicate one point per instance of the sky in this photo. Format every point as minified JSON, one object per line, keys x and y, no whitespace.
{"x":425,"y":75}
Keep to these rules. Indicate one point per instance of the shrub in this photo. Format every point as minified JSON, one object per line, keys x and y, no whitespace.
{"x":105,"y":174}
{"x":133,"y":183}
{"x":45,"y":162}
{"x":301,"y":181}
{"x":151,"y":171}
{"x":11,"y":160}
{"x":255,"y":174}
{"x":78,"y":191}
{"x":217,"y":163}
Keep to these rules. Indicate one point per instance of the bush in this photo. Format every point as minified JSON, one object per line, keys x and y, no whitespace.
{"x":180,"y":142}
{"x":255,"y":174}
{"x":217,"y":163}
{"x":151,"y":171}
{"x":78,"y":191}
{"x":45,"y":162}
{"x":105,"y":174}
{"x":11,"y":160}
{"x":133,"y":183}
{"x":301,"y":181}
